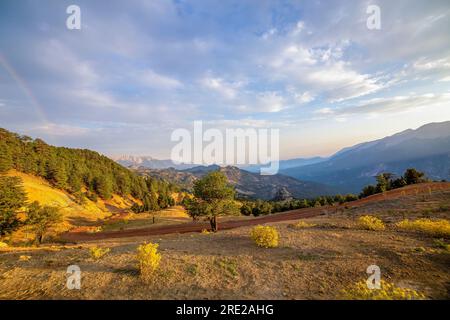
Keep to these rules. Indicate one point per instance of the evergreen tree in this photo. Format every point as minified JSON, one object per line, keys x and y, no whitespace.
{"x":412,"y":176}
{"x":41,"y":219}
{"x":103,"y":186}
{"x":12,"y":199}
{"x":213,"y":197}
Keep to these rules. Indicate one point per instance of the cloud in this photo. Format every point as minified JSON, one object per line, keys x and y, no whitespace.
{"x":166,"y":63}
{"x":318,"y":69}
{"x":219,"y":85}
{"x":430,"y":64}
{"x":304,"y":97}
{"x":155,"y":80}
{"x":324,"y":111}
{"x":395,"y":104}
{"x":60,"y":130}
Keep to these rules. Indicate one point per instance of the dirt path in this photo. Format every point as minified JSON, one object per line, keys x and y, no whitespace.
{"x":284,"y":216}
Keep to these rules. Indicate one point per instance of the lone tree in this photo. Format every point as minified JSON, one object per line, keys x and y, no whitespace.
{"x":41,"y":219}
{"x":412,"y":176}
{"x":12,"y":199}
{"x":213,"y":197}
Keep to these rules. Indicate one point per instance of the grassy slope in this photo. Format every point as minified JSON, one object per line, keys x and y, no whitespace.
{"x":313,"y":263}
{"x":38,"y":189}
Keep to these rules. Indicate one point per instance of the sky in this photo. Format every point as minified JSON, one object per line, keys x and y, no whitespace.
{"x":137,"y":70}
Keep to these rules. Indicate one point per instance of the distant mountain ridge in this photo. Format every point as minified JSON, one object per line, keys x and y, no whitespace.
{"x":426,"y":148}
{"x":247,"y":184}
{"x":135,"y":162}
{"x":286,"y":164}
{"x":348,"y":170}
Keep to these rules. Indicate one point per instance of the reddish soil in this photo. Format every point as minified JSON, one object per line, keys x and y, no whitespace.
{"x":284,"y":216}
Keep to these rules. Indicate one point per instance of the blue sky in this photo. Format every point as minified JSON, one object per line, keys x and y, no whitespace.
{"x":137,"y":70}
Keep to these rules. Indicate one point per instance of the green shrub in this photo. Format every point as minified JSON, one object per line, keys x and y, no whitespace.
{"x":266,"y":237}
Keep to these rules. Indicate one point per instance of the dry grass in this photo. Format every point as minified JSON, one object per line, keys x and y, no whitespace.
{"x":316,"y":263}
{"x":302,"y":225}
{"x":174,"y":215}
{"x":98,"y":252}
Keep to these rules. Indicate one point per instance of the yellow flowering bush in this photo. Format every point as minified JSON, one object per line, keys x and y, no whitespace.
{"x":266,"y":237}
{"x":148,"y":259}
{"x":371,"y":223}
{"x":388,"y":291}
{"x":302,"y":224}
{"x":97,"y":252}
{"x":438,"y":228}
{"x":3,"y":245}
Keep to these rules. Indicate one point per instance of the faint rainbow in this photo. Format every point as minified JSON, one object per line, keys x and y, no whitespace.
{"x":25,"y":88}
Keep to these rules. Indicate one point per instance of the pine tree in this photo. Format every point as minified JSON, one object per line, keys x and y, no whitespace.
{"x":12,"y":199}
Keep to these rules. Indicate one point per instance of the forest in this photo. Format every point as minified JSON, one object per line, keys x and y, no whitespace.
{"x":83,"y":173}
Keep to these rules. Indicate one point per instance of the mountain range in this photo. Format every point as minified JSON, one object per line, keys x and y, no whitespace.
{"x":247,"y":184}
{"x":135,"y":162}
{"x":347,"y":171}
{"x":427,"y":149}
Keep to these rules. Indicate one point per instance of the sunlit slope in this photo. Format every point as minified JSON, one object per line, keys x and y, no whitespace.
{"x":38,"y":189}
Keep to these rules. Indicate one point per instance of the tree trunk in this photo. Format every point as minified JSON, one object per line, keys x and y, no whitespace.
{"x":214,"y":224}
{"x":39,"y":238}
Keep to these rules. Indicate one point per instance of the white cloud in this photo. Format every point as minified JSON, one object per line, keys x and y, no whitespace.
{"x":304,"y":97}
{"x":155,"y":80}
{"x":269,"y":102}
{"x":429,"y":64}
{"x":396,"y":104}
{"x":59,"y":130}
{"x":320,"y":70}
{"x":219,"y":85}
{"x":324,"y":111}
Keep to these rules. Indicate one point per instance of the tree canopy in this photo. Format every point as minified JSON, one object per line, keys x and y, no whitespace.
{"x":213,"y":197}
{"x":75,"y":170}
{"x":12,"y":199}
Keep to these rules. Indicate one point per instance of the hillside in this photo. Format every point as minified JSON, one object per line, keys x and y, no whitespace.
{"x":426,"y":149}
{"x":85,"y":187}
{"x":315,"y":262}
{"x":75,"y":214}
{"x":85,"y":174}
{"x":247,"y":184}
